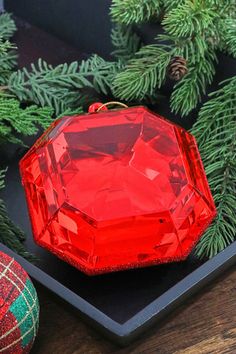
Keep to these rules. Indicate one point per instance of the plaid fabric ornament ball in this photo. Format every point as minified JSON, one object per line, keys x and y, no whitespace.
{"x":19,"y":308}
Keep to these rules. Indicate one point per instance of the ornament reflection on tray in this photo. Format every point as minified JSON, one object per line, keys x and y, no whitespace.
{"x":116,"y":189}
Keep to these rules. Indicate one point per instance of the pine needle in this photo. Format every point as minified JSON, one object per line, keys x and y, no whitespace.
{"x":125,"y":41}
{"x":8,"y":58}
{"x":7,"y":26}
{"x":134,"y":11}
{"x":10,"y":234}
{"x":100,"y":72}
{"x":187,"y":93}
{"x":227,"y":28}
{"x":215,"y":131}
{"x":16,"y":121}
{"x":55,"y":87}
{"x":143,"y":74}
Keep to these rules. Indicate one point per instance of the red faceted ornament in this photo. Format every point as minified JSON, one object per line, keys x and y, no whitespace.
{"x":116,"y":189}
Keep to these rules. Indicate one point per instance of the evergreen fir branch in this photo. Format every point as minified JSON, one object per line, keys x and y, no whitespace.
{"x":190,"y":19}
{"x":221,"y":106}
{"x":169,"y":5}
{"x":60,"y":87}
{"x":126,"y":42}
{"x":100,"y":72}
{"x":192,"y":49}
{"x":189,"y":29}
{"x":15,"y":120}
{"x":7,"y":26}
{"x":188,"y":92}
{"x":11,"y":235}
{"x":134,"y":11}
{"x":8,"y":58}
{"x":215,"y":131}
{"x":192,"y":26}
{"x":71,"y":112}
{"x":226,"y":8}
{"x":227,"y":29}
{"x":143,"y":74}
{"x":45,"y":85}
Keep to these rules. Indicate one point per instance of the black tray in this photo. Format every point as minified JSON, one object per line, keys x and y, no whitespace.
{"x":121,"y":304}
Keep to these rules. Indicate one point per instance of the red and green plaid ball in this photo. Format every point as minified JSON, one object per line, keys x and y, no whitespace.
{"x":19,"y":308}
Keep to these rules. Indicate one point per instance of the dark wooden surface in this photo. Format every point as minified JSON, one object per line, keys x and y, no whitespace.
{"x":206,"y":324}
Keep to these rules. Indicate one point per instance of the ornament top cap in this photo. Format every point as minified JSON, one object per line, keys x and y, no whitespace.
{"x":99,"y":106}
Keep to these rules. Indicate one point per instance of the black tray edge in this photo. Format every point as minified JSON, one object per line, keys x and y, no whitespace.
{"x":123,"y":334}
{"x":180,"y":292}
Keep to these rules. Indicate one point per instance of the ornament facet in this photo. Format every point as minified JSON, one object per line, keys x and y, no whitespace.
{"x":19,"y":308}
{"x":116,"y":189}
